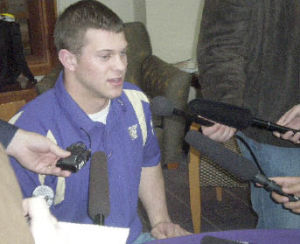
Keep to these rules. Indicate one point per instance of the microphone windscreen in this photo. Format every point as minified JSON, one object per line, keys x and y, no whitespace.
{"x":161,"y":106}
{"x":222,"y":113}
{"x":216,"y":240}
{"x":225,"y":158}
{"x":98,"y":186}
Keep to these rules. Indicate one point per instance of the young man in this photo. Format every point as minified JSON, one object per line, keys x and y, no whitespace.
{"x":91,"y":103}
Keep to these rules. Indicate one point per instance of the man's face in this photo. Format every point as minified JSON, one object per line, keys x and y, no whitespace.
{"x":101,"y":65}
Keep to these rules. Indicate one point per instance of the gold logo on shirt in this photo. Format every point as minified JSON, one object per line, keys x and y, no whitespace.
{"x":133,"y":132}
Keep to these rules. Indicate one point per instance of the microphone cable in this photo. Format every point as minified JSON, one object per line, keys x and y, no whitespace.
{"x":89,"y":137}
{"x":242,"y":140}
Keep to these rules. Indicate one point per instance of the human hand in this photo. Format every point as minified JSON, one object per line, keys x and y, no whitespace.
{"x":290,"y":119}
{"x":164,"y":230}
{"x":43,"y":225}
{"x":45,"y":228}
{"x":37,"y":153}
{"x":290,"y":185}
{"x":218,"y":132}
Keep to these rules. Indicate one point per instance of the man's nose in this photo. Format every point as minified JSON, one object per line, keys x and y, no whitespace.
{"x":120,"y":62}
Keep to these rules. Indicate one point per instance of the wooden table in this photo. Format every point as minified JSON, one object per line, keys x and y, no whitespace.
{"x":12,"y":101}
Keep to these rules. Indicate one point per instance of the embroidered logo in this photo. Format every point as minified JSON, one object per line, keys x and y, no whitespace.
{"x":133,"y":132}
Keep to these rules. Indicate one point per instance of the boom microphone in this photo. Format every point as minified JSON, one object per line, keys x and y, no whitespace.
{"x":99,"y":204}
{"x":239,"y":166}
{"x":218,"y":240}
{"x":161,"y":106}
{"x":232,"y":115}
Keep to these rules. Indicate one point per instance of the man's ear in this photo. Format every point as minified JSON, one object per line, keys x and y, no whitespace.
{"x":68,"y":59}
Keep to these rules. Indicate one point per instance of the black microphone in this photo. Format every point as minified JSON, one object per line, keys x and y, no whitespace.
{"x":99,"y":204}
{"x":161,"y":106}
{"x":232,"y":115}
{"x":218,"y":240}
{"x":239,"y":166}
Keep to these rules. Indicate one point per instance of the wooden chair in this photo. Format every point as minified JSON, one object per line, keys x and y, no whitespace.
{"x":12,"y":101}
{"x":8,"y":110}
{"x":203,"y":172}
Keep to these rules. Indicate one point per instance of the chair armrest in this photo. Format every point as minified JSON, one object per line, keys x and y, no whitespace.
{"x":163,"y":79}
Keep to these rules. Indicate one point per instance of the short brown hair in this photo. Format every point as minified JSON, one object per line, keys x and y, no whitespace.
{"x":73,"y":23}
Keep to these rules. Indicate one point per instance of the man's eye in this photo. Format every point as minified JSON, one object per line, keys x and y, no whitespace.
{"x":105,"y":57}
{"x":124,"y":53}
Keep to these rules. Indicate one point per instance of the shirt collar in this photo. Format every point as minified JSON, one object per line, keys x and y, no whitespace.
{"x":72,"y":109}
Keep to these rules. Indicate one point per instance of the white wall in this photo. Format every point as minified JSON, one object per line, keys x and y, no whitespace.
{"x":173,"y":25}
{"x":139,"y":7}
{"x":124,"y":8}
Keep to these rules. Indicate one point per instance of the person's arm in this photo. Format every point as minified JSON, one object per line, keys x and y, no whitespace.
{"x":33,"y":151}
{"x":36,"y":153}
{"x":152,"y":195}
{"x":221,"y":57}
{"x":12,"y":218}
{"x":290,"y":119}
{"x":222,"y":50}
{"x":290,"y":185}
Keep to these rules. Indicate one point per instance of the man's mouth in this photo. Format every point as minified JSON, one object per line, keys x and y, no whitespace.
{"x":116,"y":81}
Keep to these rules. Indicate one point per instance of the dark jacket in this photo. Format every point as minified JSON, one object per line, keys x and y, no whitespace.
{"x":249,"y":55}
{"x":7,"y":131}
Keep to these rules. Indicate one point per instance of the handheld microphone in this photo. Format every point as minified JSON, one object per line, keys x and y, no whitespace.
{"x":233,"y":116}
{"x":99,"y":204}
{"x":161,"y":106}
{"x":239,"y":166}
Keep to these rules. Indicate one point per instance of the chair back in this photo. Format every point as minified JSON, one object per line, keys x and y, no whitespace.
{"x":139,"y":48}
{"x":204,"y":172}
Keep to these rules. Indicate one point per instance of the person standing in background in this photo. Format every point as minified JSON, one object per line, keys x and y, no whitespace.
{"x":249,"y":56}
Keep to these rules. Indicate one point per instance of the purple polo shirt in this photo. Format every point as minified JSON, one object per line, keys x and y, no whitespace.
{"x":56,"y":113}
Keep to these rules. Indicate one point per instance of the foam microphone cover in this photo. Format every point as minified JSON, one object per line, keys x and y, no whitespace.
{"x":161,"y":106}
{"x":98,"y":186}
{"x":217,"y":240}
{"x":222,"y":113}
{"x":225,"y":158}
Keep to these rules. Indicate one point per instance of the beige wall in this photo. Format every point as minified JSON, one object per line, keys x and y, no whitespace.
{"x":124,"y":8}
{"x":173,"y":25}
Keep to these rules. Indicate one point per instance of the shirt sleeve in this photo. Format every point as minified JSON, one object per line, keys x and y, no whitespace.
{"x":221,"y":50}
{"x":152,"y":154}
{"x":7,"y":132}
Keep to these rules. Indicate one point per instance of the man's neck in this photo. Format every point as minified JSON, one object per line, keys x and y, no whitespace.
{"x":93,"y":106}
{"x":87,"y":102}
